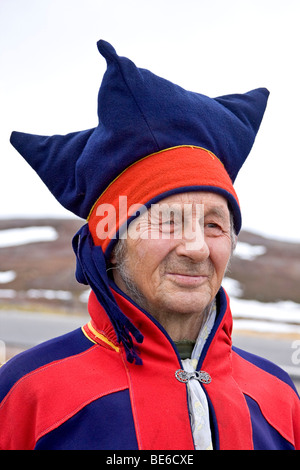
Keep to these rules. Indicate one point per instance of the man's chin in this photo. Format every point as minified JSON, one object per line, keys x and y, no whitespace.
{"x":188,"y":303}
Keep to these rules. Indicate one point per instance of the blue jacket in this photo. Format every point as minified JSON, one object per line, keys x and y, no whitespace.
{"x":79,"y":392}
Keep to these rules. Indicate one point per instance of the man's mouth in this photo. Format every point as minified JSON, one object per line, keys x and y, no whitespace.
{"x":187,"y":279}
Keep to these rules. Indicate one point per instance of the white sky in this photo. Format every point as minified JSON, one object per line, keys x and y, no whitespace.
{"x":51,"y":72}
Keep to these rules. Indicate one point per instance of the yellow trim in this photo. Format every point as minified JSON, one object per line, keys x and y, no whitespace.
{"x":85,"y":334}
{"x":101,"y":337}
{"x":151,"y":155}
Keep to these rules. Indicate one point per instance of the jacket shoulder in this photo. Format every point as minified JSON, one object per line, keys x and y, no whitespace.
{"x":272,"y":390}
{"x":48,"y":384}
{"x":45,"y":353}
{"x":264,"y":365}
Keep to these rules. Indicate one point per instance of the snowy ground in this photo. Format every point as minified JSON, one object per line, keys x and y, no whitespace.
{"x":23,"y":236}
{"x":277,"y":317}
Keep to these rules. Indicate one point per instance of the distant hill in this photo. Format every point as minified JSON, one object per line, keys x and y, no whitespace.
{"x":39,"y":275}
{"x":271,"y":276}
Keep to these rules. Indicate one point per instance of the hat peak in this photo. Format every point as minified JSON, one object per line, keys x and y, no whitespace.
{"x":140,"y":114}
{"x":107,"y":50}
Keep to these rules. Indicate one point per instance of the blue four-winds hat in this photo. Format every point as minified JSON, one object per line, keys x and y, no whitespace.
{"x":153,"y":139}
{"x":140,"y":114}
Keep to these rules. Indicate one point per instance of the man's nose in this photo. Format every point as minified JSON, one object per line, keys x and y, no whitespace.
{"x":193,"y":245}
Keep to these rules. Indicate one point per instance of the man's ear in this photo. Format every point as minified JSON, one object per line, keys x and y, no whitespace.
{"x":117,"y":253}
{"x":235,"y":240}
{"x":113,"y":258}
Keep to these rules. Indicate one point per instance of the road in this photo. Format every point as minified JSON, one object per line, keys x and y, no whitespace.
{"x":282,"y":351}
{"x":24,"y":329}
{"x":27,"y":329}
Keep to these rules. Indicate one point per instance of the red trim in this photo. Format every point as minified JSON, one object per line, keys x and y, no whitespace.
{"x":179,"y":167}
{"x":52,"y":394}
{"x":91,"y":332}
{"x":155,"y":381}
{"x":228,"y":401}
{"x":100,"y":320}
{"x":159,"y":401}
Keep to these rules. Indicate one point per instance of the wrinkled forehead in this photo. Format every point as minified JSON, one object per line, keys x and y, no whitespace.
{"x":190,"y":204}
{"x":195,"y":197}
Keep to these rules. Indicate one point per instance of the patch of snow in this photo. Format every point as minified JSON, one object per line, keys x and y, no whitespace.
{"x":84,"y":297}
{"x":249,"y":252}
{"x":2,"y":352}
{"x":284,"y":311}
{"x":49,"y":294}
{"x":23,"y":236}
{"x":7,"y":276}
{"x":252,"y":315}
{"x":7,"y":294}
{"x":265,"y":327}
{"x":232,"y":287}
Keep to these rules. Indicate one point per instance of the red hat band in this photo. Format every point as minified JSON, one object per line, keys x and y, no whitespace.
{"x":170,"y":171}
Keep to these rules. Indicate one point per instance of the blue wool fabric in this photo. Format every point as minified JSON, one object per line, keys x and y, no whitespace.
{"x":91,"y":270}
{"x":140,"y":113}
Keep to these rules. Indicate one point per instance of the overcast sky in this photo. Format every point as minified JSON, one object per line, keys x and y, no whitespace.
{"x":51,"y":72}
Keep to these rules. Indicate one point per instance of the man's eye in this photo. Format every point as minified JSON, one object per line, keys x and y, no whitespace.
{"x":167,"y":224}
{"x":213,"y":228}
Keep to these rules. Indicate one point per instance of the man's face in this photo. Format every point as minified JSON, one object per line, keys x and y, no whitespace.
{"x":177,"y":270}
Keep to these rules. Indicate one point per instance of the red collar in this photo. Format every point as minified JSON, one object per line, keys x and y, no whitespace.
{"x":155,"y":382}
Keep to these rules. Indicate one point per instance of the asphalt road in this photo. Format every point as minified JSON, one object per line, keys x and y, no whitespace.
{"x":23,"y":329}
{"x":282,"y":351}
{"x":26,"y":329}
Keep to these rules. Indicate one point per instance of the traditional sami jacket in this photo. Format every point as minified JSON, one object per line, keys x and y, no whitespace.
{"x":78,"y":391}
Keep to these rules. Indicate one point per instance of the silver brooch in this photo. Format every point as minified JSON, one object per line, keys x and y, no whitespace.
{"x":199,"y":375}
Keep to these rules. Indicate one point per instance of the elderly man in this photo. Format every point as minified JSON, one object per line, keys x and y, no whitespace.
{"x":169,"y":277}
{"x":155,"y":367}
